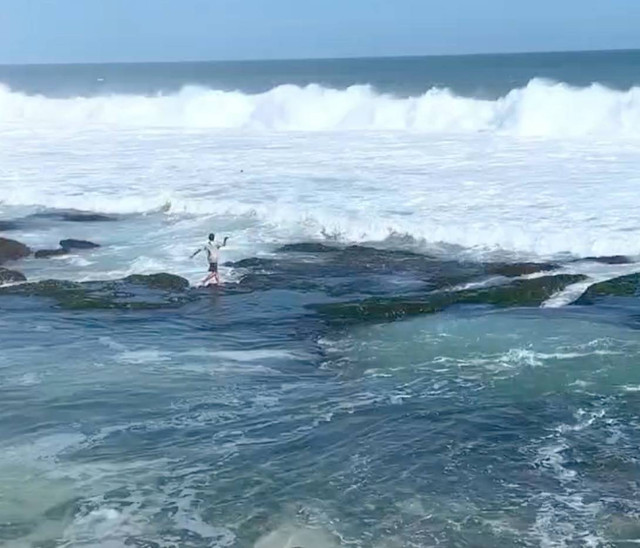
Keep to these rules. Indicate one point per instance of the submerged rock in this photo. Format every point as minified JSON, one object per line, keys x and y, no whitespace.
{"x":624,"y":286}
{"x":613,"y":259}
{"x":87,"y":217}
{"x":8,"y":225}
{"x":11,"y":250}
{"x":310,"y":247}
{"x":532,"y":292}
{"x":74,"y":216}
{"x":514,"y":270}
{"x":66,"y":247}
{"x":132,"y":293}
{"x":77,"y":244}
{"x":46,"y":253}
{"x":11,"y":276}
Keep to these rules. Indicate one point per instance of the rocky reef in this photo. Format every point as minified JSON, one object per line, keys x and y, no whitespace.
{"x":134,"y":292}
{"x":518,"y":293}
{"x":350,"y":284}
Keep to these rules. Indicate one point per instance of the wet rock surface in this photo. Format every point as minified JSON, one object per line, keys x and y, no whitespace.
{"x":71,"y":243}
{"x":66,"y":247}
{"x":519,"y":293}
{"x":12,"y":250}
{"x":11,"y":276}
{"x":349,"y":284}
{"x":48,"y":253}
{"x":135,"y":292}
{"x":624,"y":286}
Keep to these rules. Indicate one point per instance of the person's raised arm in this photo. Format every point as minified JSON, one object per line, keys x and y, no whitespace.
{"x":224,"y":242}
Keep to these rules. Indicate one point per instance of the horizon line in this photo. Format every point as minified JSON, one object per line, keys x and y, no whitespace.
{"x":301,"y":59}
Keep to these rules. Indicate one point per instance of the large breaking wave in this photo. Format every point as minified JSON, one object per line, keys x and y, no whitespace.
{"x":542,"y":108}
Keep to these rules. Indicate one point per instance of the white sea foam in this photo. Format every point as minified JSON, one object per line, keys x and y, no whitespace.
{"x":541,"y":108}
{"x":465,"y":182}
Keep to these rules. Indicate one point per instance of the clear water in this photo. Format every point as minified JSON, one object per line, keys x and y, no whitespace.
{"x":245,"y":418}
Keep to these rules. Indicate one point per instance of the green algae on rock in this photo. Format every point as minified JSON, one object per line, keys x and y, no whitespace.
{"x":524,"y":293}
{"x":135,"y":292}
{"x":624,"y":286}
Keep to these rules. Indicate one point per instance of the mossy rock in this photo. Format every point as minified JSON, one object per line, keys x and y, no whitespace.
{"x":163,"y":281}
{"x":136,"y":292}
{"x":624,"y":286}
{"x":531,"y":292}
{"x":519,"y":293}
{"x":514,"y":270}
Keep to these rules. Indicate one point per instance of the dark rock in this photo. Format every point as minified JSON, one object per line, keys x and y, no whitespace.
{"x":624,"y":286}
{"x":11,"y":276}
{"x":73,"y":216}
{"x":133,"y":293}
{"x":77,"y":244}
{"x":360,"y":270}
{"x":164,"y":281}
{"x":253,"y":262}
{"x":87,"y":218}
{"x":67,"y":294}
{"x":532,"y":292}
{"x":46,"y":253}
{"x":11,"y":250}
{"x":514,"y":270}
{"x":66,"y":246}
{"x":310,"y":247}
{"x":613,"y":259}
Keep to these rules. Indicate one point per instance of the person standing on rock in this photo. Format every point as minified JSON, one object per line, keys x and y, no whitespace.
{"x":212,"y":250}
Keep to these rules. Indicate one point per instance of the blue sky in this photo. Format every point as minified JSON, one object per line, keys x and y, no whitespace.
{"x":46,"y":31}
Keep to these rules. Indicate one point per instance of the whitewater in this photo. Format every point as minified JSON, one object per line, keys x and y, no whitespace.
{"x":546,"y":172}
{"x":542,"y":108}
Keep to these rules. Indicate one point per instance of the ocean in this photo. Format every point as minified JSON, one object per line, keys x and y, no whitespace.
{"x":428,"y":328}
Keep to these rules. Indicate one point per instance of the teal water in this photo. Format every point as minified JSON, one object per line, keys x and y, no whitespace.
{"x":244,"y":421}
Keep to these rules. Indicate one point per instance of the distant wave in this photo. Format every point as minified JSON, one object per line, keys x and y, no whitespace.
{"x":542,"y":108}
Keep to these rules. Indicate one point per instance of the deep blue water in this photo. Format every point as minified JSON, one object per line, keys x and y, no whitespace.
{"x":485,"y":76}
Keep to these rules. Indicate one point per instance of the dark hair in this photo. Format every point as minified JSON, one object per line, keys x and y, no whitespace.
{"x":212,"y":237}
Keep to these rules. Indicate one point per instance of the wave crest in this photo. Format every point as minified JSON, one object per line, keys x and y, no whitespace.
{"x":542,"y":108}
